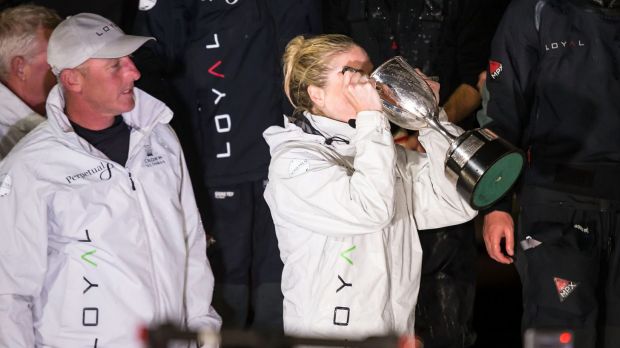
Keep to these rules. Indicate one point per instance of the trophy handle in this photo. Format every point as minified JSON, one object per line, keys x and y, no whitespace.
{"x":434,"y":123}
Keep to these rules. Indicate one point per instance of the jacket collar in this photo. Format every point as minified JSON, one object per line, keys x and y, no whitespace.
{"x":12,"y":109}
{"x":147,"y":113}
{"x":338,"y":131}
{"x":323,"y":128}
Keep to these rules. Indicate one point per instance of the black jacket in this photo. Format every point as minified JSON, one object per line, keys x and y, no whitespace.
{"x":224,"y":57}
{"x":554,"y":85}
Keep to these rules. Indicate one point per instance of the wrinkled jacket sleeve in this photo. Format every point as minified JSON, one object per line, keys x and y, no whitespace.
{"x":23,"y":255}
{"x":436,"y":203}
{"x":199,"y":277}
{"x":310,"y":190}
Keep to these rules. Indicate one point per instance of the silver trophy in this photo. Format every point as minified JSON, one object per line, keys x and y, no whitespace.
{"x":483,"y":165}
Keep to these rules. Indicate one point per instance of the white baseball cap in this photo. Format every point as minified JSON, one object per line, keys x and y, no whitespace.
{"x":87,"y":35}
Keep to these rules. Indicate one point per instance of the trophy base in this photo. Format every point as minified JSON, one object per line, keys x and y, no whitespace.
{"x":484,"y":166}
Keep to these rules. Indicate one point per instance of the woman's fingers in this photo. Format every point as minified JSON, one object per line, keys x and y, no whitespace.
{"x":360,"y":92}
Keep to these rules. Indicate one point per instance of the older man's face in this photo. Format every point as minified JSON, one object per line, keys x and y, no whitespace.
{"x":108,"y":85}
{"x":40,"y":77}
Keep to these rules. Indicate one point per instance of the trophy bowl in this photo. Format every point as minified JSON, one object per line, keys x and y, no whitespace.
{"x":483,"y":166}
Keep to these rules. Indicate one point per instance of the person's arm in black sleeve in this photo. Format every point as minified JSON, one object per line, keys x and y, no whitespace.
{"x":511,"y":72}
{"x":510,"y":76}
{"x":472,"y":29}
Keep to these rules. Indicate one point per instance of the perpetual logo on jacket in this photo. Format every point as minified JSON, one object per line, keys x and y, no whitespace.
{"x":103,"y":171}
{"x":550,"y":46}
{"x":151,"y":159}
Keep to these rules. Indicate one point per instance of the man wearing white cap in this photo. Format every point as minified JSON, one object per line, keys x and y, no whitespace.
{"x":99,"y":227}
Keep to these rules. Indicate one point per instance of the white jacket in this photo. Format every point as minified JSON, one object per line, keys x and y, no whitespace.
{"x":90,"y":250}
{"x":16,"y":120}
{"x":346,"y":218}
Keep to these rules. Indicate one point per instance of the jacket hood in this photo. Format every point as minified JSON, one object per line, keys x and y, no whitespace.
{"x":326,"y":131}
{"x":12,"y":109}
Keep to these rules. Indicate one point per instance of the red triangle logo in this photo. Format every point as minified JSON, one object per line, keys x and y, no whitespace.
{"x":564,"y":287}
{"x":495,"y":68}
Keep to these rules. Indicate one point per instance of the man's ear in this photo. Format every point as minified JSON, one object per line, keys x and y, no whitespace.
{"x":71,"y":80}
{"x":317,"y":95}
{"x":18,"y":67}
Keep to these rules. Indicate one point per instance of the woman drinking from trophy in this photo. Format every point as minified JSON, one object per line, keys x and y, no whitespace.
{"x":347,"y":202}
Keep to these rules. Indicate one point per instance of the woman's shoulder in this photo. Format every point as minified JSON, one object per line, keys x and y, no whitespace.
{"x":294,"y":158}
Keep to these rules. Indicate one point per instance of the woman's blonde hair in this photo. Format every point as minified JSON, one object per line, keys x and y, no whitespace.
{"x":305,"y":64}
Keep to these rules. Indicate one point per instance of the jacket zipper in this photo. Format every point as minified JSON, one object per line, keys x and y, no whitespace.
{"x":133,"y":186}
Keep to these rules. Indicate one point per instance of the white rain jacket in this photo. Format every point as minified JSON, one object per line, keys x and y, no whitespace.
{"x":90,"y":250}
{"x":16,"y":120}
{"x":346,"y":217}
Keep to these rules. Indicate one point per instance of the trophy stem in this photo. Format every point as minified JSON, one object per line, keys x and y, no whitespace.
{"x":434,"y":123}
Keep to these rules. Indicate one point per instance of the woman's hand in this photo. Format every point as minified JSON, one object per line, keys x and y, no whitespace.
{"x":434,"y":85}
{"x":360,"y":92}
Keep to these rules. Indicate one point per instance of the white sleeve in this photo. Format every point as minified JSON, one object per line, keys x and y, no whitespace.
{"x":308,"y":189}
{"x":436,"y":202}
{"x":199,"y":289}
{"x":18,"y":131}
{"x":23,"y":255}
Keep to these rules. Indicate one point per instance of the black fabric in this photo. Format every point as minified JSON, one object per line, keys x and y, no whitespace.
{"x":246,"y":249}
{"x":445,"y":38}
{"x":570,"y":281}
{"x":465,"y":42}
{"x":112,"y":141}
{"x":556,"y":92}
{"x":553,"y":89}
{"x":444,"y":310}
{"x":224,"y":58}
{"x":121,"y":12}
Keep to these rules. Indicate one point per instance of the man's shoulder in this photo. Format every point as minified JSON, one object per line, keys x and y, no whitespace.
{"x":33,"y":145}
{"x":166,"y":133}
{"x":523,"y":11}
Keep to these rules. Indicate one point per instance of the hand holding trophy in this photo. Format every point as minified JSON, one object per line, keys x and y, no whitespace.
{"x":483,"y":165}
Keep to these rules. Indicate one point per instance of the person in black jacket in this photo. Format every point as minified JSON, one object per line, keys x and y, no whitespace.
{"x":223,"y":57}
{"x":448,"y":39}
{"x":554,"y":82}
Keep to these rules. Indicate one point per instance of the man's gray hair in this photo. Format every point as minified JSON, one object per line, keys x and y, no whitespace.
{"x":18,"y":31}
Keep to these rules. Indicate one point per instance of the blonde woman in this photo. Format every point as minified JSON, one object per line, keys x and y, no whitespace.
{"x":346,"y":201}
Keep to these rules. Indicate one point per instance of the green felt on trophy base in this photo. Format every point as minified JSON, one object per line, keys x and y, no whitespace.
{"x":498,"y":179}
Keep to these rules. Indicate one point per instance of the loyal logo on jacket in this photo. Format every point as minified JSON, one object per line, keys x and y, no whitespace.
{"x":563,"y":44}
